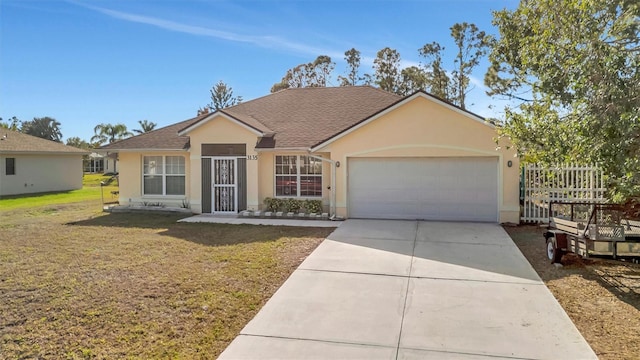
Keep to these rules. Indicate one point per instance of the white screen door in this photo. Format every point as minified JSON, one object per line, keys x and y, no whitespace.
{"x":225,"y":185}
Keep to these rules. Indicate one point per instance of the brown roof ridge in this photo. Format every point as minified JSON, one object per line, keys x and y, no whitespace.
{"x":241,"y":104}
{"x":312,"y":88}
{"x":252,"y":100}
{"x":380,"y":90}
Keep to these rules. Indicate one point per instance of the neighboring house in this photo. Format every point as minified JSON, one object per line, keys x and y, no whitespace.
{"x":100,"y":163}
{"x":110,"y":163}
{"x":365,"y":152}
{"x":93,"y":163}
{"x":31,"y":165}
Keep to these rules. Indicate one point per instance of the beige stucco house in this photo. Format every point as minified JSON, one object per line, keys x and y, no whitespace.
{"x":364,"y":152}
{"x":32,"y":165}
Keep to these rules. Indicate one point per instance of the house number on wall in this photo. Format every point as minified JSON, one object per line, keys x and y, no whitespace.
{"x":252,"y":157}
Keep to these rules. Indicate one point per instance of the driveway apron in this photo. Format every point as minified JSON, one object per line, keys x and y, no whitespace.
{"x":385,"y":289}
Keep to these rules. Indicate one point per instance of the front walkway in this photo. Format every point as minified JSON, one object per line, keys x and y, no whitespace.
{"x":412,"y":290}
{"x":234,"y":219}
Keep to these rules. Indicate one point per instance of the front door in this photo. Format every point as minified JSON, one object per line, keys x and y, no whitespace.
{"x":225,"y":185}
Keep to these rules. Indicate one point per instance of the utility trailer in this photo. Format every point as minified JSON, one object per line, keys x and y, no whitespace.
{"x":589,"y":229}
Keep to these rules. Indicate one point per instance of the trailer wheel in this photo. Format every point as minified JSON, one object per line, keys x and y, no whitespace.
{"x":553,"y":253}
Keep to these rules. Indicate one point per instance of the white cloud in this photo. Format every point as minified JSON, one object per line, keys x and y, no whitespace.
{"x":479,"y":84}
{"x":266,"y":41}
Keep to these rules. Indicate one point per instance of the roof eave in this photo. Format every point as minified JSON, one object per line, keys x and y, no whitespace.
{"x":43,"y":152}
{"x":282,"y":149}
{"x":147,"y":150}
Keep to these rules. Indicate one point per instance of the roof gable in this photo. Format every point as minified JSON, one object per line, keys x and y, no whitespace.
{"x":243,"y":121}
{"x":396,"y":105}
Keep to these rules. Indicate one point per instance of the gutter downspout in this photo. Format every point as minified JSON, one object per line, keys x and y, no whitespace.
{"x":332,"y":198}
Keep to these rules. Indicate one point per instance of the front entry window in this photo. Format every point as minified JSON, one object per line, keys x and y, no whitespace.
{"x":286,"y":175}
{"x":163,"y":175}
{"x":298,"y":176}
{"x":175,"y":175}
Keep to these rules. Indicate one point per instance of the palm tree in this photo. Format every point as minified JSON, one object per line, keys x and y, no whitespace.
{"x":145,"y":126}
{"x":45,"y":127}
{"x":11,"y":124}
{"x":108,"y":133}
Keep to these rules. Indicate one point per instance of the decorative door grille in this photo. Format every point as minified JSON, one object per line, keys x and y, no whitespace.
{"x":225,"y":185}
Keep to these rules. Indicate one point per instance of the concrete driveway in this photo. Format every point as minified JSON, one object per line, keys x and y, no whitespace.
{"x":412,"y":290}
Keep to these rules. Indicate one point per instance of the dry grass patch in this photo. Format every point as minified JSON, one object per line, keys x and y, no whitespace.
{"x":78,"y":283}
{"x":602,"y":297}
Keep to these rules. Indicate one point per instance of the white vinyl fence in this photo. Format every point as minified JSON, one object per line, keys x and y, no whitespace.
{"x":568,"y":183}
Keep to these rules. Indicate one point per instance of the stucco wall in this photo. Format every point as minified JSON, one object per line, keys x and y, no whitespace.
{"x":423,"y":128}
{"x":41,"y":173}
{"x":130,"y":179}
{"x":221,"y":130}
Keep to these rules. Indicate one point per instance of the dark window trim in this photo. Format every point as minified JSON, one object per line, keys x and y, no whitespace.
{"x":224,"y":149}
{"x":10,"y":166}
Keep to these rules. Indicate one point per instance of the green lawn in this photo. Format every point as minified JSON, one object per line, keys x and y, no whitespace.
{"x":96,"y":179}
{"x":77,"y":283}
{"x":91,"y":191}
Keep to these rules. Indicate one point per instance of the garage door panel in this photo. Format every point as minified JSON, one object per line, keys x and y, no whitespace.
{"x":423,"y":188}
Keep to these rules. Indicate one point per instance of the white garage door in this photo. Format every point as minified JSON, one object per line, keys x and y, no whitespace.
{"x":462,"y":189}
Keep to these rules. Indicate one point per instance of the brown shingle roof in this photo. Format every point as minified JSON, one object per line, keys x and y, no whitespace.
{"x":248,"y":120}
{"x":164,"y":138}
{"x":299,"y":118}
{"x":16,"y":142}
{"x":303,"y":117}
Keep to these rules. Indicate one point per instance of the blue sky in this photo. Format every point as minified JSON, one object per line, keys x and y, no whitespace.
{"x":88,"y":62}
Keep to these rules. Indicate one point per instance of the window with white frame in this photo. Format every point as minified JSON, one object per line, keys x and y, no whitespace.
{"x":163,"y":175}
{"x":298,"y":176}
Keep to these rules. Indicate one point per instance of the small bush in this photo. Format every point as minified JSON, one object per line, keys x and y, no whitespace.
{"x":292,"y":205}
{"x":313,"y":206}
{"x":273,"y":204}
